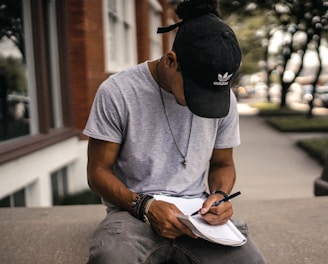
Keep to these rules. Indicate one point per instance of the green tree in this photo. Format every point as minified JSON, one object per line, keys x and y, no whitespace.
{"x":292,"y":17}
{"x":15,"y":75}
{"x":11,"y":25}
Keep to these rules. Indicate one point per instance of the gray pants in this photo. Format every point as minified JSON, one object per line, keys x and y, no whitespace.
{"x":123,"y":239}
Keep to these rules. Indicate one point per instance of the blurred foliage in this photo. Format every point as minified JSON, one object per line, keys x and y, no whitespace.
{"x":267,"y":109}
{"x":291,"y":18}
{"x":299,"y":123}
{"x":249,"y":21}
{"x":11,"y":13}
{"x":316,"y":148}
{"x":14,"y":72}
{"x":250,"y":42}
{"x":244,"y":8}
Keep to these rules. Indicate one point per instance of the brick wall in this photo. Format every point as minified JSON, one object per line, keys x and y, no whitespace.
{"x":142,"y":25}
{"x":86,"y":55}
{"x":86,"y":49}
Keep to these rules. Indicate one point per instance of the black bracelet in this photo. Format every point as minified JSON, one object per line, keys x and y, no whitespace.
{"x":139,"y":205}
{"x":220,"y":192}
{"x":134,"y":205}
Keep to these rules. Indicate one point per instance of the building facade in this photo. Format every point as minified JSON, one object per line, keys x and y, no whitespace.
{"x":53,"y":56}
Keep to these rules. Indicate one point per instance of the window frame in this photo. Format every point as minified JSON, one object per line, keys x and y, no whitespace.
{"x":156,"y":43}
{"x":112,"y":65}
{"x":45,"y":134}
{"x":15,"y":199}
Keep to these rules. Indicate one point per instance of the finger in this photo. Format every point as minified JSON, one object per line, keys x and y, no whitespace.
{"x":166,"y":229}
{"x":208,"y":203}
{"x":218,"y":215}
{"x":211,"y":200}
{"x":174,"y":230}
{"x":221,"y":208}
{"x":170,"y":227}
{"x":185,"y":230}
{"x":215,"y":219}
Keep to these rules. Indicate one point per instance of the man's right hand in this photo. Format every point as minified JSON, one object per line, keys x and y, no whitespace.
{"x":162,"y":217}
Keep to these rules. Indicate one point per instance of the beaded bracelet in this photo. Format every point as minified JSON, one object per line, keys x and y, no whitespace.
{"x":138,"y":207}
{"x":134,"y":205}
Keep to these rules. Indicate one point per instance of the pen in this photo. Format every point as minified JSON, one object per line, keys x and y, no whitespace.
{"x":221,"y":201}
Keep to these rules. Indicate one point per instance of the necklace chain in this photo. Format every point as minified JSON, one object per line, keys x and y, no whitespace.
{"x":184,"y":156}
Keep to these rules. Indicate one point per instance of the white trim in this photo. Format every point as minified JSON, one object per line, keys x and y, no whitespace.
{"x":36,"y":180}
{"x":54,"y":65}
{"x":30,"y":69}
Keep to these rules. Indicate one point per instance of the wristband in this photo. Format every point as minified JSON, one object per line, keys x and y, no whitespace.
{"x":148,"y":204}
{"x":138,"y":206}
{"x":220,"y":192}
{"x":134,"y":205}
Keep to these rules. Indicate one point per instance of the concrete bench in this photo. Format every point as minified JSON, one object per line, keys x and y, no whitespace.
{"x":288,"y":231}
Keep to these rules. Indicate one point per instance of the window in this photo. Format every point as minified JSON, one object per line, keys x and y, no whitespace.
{"x":33,"y":77}
{"x":15,"y":120}
{"x":120,"y":47}
{"x":59,"y":185}
{"x":156,"y":48}
{"x":18,"y":104}
{"x":16,"y":199}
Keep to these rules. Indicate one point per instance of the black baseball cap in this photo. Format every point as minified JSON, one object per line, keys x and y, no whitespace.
{"x":208,"y":55}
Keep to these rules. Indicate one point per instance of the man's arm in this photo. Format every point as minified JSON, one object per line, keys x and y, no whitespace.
{"x":222,"y":175}
{"x":101,"y":179}
{"x":101,"y":158}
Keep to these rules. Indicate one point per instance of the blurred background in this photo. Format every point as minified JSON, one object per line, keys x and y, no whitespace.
{"x":55,"y":53}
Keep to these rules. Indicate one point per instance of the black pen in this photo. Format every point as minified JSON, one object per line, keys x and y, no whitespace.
{"x":225,"y":199}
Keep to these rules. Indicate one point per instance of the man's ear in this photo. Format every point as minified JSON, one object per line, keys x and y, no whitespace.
{"x":170,"y":59}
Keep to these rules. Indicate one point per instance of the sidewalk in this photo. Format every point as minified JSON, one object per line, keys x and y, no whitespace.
{"x":269,"y":165}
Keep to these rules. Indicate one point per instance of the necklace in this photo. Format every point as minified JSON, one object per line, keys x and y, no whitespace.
{"x":184,"y":156}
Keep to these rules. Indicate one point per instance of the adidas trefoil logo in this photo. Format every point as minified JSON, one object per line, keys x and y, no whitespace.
{"x":223,"y":79}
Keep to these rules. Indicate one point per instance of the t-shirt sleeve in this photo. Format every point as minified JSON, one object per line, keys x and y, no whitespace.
{"x":228,"y":135}
{"x":106,"y":118}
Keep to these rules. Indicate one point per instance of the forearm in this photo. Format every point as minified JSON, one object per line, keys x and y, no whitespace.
{"x":101,"y":178}
{"x":110,"y":188}
{"x":222,"y":177}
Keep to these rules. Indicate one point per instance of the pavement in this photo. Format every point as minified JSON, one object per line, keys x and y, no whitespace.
{"x":269,"y":164}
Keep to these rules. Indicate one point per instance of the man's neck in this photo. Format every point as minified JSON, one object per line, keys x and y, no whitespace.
{"x":156,"y":70}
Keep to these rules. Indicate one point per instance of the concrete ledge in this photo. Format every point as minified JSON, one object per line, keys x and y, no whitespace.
{"x":288,"y":231}
{"x":58,"y":235}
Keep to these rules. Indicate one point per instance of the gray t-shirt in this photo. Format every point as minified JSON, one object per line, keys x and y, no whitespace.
{"x":128,"y":110}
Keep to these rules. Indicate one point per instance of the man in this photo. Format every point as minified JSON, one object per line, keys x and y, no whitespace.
{"x":154,"y":130}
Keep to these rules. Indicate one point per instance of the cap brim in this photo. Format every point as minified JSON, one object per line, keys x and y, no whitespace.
{"x":209,"y":102}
